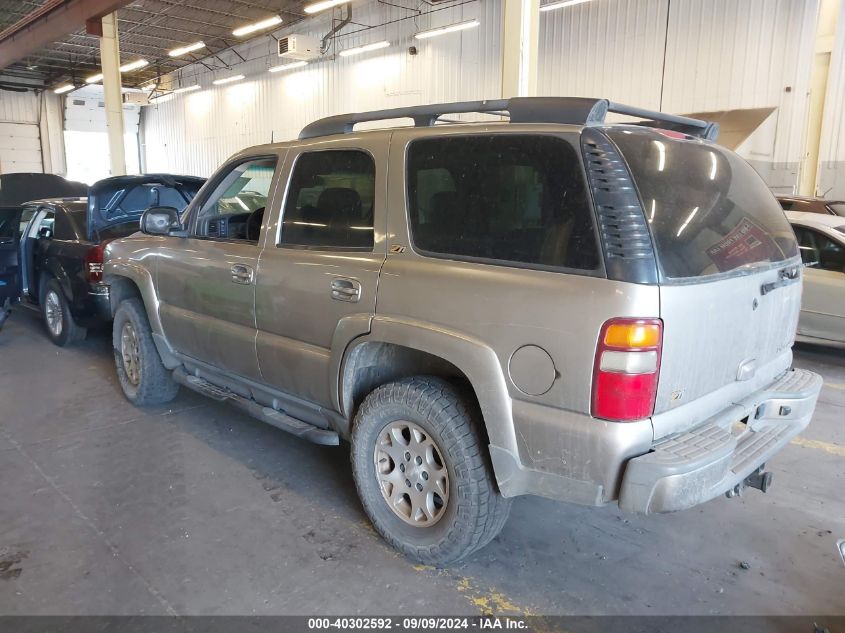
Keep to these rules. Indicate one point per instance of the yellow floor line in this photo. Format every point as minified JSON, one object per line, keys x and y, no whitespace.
{"x":487,"y":600}
{"x":827,"y":447}
{"x":834,"y":385}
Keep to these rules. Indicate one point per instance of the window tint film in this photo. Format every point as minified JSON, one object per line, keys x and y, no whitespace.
{"x":235,"y":209}
{"x":708,"y":210}
{"x":504,"y":198}
{"x":330,"y":201}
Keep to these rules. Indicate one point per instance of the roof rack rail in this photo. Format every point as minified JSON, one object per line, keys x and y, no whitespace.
{"x":566,"y":110}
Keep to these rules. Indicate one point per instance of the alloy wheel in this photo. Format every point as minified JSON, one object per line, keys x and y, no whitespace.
{"x":411,"y":473}
{"x":53,"y":313}
{"x":130,"y":352}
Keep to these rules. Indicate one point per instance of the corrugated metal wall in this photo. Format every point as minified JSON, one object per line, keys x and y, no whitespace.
{"x":681,"y":55}
{"x":194,"y":132}
{"x":688,"y":56}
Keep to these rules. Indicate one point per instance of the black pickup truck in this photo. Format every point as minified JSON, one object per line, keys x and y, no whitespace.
{"x":57,"y":259}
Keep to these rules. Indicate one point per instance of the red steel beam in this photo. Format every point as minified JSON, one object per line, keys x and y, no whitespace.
{"x":50,"y":23}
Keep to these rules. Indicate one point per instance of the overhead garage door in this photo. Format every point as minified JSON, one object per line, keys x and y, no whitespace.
{"x":20,"y":148}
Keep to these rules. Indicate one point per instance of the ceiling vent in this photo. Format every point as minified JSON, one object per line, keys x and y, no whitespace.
{"x":299,"y":47}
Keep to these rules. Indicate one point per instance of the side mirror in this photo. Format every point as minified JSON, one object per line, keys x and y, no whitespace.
{"x":160,"y":221}
{"x":45,"y":233}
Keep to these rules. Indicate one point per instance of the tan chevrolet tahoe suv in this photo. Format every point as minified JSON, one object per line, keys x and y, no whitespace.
{"x":539,"y":303}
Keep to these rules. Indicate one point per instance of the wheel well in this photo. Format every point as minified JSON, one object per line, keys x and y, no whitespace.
{"x":120,"y":289}
{"x":373,"y":364}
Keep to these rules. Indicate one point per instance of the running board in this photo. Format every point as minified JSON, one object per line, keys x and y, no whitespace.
{"x":279,"y":419}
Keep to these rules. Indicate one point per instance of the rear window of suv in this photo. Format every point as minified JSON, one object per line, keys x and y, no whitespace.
{"x":709,"y":212}
{"x":503,"y":198}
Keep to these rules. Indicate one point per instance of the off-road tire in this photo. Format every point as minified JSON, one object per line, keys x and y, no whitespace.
{"x":154,"y":384}
{"x":70,"y":331}
{"x":475,"y":511}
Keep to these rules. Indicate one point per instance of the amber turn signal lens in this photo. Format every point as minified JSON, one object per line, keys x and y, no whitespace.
{"x":632,"y":335}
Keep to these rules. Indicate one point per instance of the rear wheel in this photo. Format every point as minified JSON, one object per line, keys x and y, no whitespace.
{"x":61,"y":328}
{"x":422,"y":473}
{"x":143,"y":377}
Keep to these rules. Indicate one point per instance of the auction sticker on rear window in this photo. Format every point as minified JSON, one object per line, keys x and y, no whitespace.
{"x":746,"y":243}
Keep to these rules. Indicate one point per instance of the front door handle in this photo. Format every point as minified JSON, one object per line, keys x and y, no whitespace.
{"x":243,"y":274}
{"x":346,"y":290}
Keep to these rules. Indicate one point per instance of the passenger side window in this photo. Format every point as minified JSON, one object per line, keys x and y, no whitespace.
{"x":234,"y":210}
{"x":501,"y":198}
{"x":330,"y":201}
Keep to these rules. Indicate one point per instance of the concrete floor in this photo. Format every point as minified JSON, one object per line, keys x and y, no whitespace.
{"x":195,"y":508}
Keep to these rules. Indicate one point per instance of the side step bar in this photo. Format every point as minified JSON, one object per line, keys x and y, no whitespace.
{"x":279,"y":419}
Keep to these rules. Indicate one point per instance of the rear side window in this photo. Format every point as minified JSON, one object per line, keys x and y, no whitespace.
{"x":708,"y":210}
{"x":501,"y":198}
{"x":330,"y":201}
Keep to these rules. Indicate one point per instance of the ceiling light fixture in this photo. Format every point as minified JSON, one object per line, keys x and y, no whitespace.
{"x":227,"y":80}
{"x":184,"y":50}
{"x":138,"y":63}
{"x":257,"y":26}
{"x":63,"y":89}
{"x":322,"y":6}
{"x":443,"y":30}
{"x":94,"y":78}
{"x":363,"y":49}
{"x":187,"y":89}
{"x":290,"y":66}
{"x":559,"y":5}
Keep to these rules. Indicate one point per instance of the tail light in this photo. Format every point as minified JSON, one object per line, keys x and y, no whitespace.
{"x":94,"y":263}
{"x":626,"y":369}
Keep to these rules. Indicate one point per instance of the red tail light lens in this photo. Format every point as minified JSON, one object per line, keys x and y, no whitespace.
{"x":627,"y":366}
{"x":94,"y":263}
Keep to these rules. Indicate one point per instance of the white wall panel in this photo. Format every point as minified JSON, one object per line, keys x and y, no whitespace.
{"x":678,"y":55}
{"x":719,"y":55}
{"x":728,"y":54}
{"x":832,"y":153}
{"x":604,"y":48}
{"x":194,"y":132}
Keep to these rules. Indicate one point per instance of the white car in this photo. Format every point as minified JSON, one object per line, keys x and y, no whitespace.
{"x":821,"y":239}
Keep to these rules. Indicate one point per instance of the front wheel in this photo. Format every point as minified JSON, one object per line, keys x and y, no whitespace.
{"x":143,"y":377}
{"x":422,"y":473}
{"x":61,"y":328}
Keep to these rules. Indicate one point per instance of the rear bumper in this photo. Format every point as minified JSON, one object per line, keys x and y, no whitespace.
{"x":95,"y":308}
{"x":713,"y":458}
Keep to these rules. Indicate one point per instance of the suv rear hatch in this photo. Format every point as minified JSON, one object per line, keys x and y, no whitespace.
{"x":729,"y":273}
{"x":123,"y":199}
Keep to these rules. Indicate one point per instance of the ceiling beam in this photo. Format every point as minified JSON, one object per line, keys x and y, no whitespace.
{"x":50,"y":23}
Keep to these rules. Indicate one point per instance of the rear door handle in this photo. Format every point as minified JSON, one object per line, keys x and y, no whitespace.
{"x":243,"y":274}
{"x":346,"y":290}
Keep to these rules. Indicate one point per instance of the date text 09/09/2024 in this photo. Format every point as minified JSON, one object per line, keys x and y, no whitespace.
{"x":417,"y":623}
